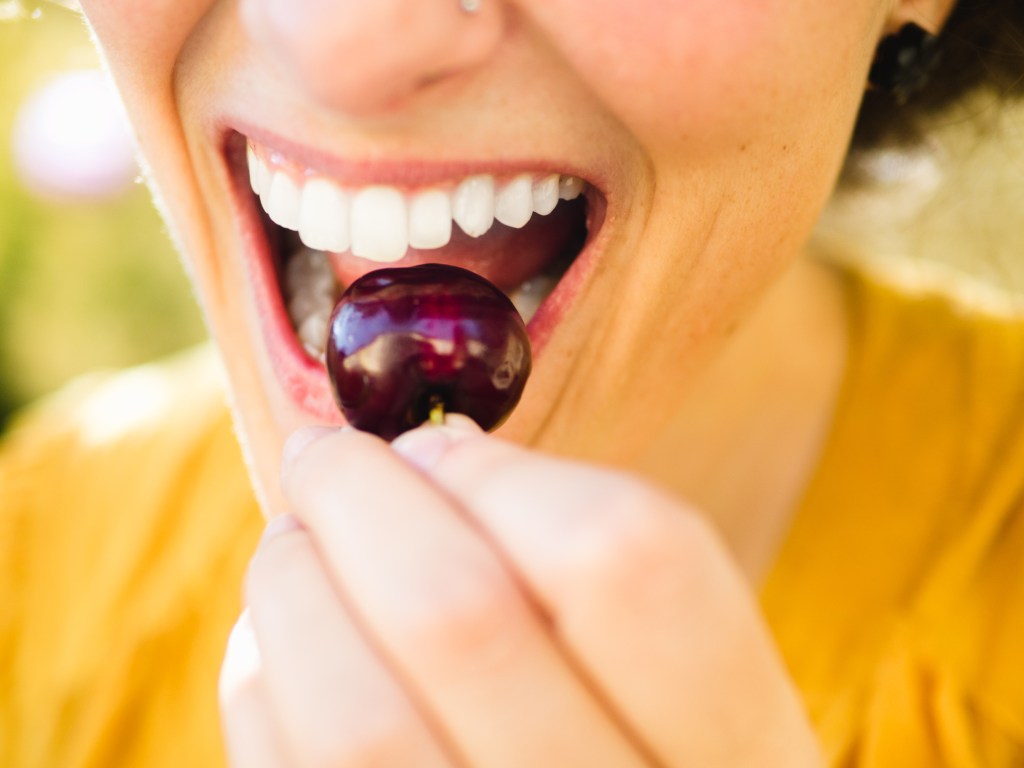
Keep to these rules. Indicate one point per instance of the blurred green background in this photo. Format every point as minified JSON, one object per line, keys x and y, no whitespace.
{"x":86,"y":281}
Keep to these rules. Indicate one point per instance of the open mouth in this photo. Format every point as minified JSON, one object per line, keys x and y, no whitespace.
{"x":528,"y":231}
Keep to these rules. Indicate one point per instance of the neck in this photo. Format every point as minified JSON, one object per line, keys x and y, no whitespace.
{"x":748,"y":438}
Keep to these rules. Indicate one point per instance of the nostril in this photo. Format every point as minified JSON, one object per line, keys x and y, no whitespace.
{"x":358,"y":56}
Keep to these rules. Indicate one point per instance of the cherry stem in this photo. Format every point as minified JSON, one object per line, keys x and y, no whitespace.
{"x":437,"y":414}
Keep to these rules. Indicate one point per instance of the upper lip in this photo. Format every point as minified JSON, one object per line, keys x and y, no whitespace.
{"x":408,"y":171}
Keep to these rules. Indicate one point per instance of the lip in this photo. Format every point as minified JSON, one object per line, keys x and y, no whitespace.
{"x":305,"y":379}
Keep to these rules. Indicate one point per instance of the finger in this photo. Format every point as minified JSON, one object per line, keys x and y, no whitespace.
{"x":641,"y":590}
{"x":333,"y":700}
{"x":446,"y":611}
{"x":249,"y":735}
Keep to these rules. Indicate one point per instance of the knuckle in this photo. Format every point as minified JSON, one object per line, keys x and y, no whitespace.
{"x":465,"y":617}
{"x":640,"y":548}
{"x":327,"y":465}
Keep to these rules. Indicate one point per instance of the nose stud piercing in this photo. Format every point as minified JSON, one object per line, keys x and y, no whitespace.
{"x":469,"y":6}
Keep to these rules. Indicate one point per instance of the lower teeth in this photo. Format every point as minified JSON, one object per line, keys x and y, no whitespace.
{"x":313,"y":334}
{"x":531,"y":294}
{"x":311,"y":291}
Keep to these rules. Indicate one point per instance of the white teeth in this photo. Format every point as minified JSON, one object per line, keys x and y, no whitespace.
{"x":324,"y":216}
{"x":313,"y":333}
{"x":309,"y":272}
{"x":570,"y":187}
{"x":263,"y":178}
{"x":282,"y":201}
{"x":310,"y":290}
{"x":380,"y":226}
{"x":381,"y":223}
{"x":473,"y":205}
{"x":513,"y":205}
{"x":253,"y":162}
{"x":430,"y":219}
{"x":528,"y":297}
{"x":545,"y":194}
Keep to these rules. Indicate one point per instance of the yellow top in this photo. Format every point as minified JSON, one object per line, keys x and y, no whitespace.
{"x":898,"y":597}
{"x":126,"y":522}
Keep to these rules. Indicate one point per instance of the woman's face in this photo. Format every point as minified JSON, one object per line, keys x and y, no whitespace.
{"x":708,"y":134}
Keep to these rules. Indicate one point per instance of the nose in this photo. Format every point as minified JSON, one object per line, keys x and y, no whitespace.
{"x":365,"y":56}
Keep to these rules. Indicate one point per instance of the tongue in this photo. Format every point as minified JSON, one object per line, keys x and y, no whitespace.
{"x":505,"y":256}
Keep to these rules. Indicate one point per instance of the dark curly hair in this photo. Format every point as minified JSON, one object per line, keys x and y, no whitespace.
{"x":982,"y":45}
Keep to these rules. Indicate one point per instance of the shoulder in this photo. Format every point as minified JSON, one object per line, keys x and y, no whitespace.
{"x":119,"y":446}
{"x":107,"y":407}
{"x":938,"y":370}
{"x":908,"y":639}
{"x":126,"y":521}
{"x":132,"y":450}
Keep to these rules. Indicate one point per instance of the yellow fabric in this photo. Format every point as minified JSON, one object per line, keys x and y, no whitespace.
{"x":126,"y":521}
{"x":898,"y":597}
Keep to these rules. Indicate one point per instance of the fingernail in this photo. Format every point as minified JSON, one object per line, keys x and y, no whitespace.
{"x":461,"y":425}
{"x":424,"y":446}
{"x":279,"y":524}
{"x":298,"y":440}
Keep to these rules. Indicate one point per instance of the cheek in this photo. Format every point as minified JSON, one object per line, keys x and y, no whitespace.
{"x":705,"y":70}
{"x":141,"y":38}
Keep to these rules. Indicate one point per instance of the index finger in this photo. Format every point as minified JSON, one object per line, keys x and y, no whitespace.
{"x":447,"y":615}
{"x":641,"y":591}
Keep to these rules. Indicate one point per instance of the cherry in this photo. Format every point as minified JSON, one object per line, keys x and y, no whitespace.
{"x":405,"y":343}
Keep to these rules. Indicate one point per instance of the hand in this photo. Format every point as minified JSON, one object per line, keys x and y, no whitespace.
{"x":454,"y":600}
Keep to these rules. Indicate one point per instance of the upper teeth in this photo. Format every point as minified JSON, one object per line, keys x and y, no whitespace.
{"x":381,"y":222}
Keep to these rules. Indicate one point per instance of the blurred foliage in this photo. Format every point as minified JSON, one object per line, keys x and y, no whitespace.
{"x":82,"y":284}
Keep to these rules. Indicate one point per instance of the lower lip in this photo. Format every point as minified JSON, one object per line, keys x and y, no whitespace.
{"x":305,"y":379}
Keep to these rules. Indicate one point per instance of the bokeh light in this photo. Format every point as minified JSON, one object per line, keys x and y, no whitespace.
{"x":71,"y":138}
{"x":88,"y":277}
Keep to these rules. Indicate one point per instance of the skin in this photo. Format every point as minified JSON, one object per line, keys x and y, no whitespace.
{"x":542,"y":593}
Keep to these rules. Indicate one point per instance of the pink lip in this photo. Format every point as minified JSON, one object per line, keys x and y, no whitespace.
{"x":302,"y":377}
{"x":400,"y":172}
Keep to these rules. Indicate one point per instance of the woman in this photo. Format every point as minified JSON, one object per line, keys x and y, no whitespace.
{"x":699,"y":428}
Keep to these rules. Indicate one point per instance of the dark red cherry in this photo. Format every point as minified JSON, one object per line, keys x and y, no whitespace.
{"x":403,"y":341}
